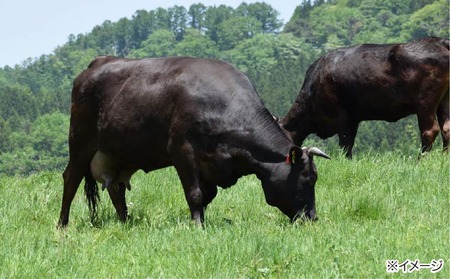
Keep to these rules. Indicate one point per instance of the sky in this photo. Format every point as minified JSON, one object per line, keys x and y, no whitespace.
{"x":32,"y":28}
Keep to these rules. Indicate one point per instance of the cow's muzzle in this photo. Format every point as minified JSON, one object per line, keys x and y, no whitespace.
{"x":305,"y":215}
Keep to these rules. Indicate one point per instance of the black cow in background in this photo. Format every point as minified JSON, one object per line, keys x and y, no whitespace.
{"x":201,"y":116}
{"x":374,"y":82}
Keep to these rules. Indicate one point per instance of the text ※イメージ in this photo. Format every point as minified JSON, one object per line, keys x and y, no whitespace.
{"x":408,"y":266}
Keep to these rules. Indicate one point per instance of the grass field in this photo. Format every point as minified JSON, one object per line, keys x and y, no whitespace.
{"x":371,"y":209}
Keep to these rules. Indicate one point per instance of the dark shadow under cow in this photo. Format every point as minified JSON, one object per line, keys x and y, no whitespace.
{"x":374,"y":82}
{"x":201,"y":116}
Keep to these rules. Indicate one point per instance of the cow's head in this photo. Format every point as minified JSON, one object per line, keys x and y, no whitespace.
{"x":290,"y":185}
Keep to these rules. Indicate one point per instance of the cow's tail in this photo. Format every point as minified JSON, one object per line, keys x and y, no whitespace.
{"x":92,"y":195}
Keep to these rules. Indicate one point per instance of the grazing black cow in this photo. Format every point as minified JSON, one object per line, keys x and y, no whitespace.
{"x":374,"y":82}
{"x":201,"y":116}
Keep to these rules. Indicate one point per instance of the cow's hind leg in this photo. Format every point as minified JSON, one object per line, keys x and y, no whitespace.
{"x":429,"y":129}
{"x":81,"y":151}
{"x":443,"y":112}
{"x":117,"y":195}
{"x":72,"y":176}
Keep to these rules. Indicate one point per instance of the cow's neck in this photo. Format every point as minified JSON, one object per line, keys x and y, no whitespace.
{"x":263,"y":139}
{"x":294,"y":122}
{"x":250,"y":139}
{"x":253,"y":155}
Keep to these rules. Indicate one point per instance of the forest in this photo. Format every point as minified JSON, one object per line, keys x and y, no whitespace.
{"x":35,"y":95}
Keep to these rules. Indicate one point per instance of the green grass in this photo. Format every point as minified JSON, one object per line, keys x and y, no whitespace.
{"x":373,"y":208}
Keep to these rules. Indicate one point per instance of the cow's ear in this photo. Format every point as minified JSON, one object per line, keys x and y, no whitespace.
{"x":294,"y":155}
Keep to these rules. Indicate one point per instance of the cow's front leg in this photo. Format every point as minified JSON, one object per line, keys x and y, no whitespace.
{"x":194,"y":196}
{"x":443,"y":114}
{"x":209,"y":193}
{"x":429,"y":129}
{"x":185,"y":163}
{"x":347,"y":135}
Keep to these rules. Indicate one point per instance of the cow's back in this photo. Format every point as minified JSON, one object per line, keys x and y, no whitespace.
{"x":378,"y":82}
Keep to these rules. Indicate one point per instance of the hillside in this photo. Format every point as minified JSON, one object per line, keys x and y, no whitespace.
{"x":35,"y":96}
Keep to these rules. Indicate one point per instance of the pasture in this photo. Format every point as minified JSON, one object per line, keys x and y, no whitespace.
{"x":371,"y":209}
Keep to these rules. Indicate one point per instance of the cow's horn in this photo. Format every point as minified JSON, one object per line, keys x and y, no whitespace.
{"x":316,"y":151}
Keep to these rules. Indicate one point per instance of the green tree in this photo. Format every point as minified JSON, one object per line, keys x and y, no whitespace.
{"x":5,"y":132}
{"x":122,"y":36}
{"x":299,"y":24}
{"x":418,"y":4}
{"x":197,"y":14}
{"x":431,"y":20}
{"x":293,"y":57}
{"x":178,"y":21}
{"x":17,"y":100}
{"x":158,"y":44}
{"x":214,"y":17}
{"x":43,"y":147}
{"x":264,"y":13}
{"x":163,"y":19}
{"x":335,"y":25}
{"x":236,"y":29}
{"x":195,"y":44}
{"x":142,"y":25}
{"x":102,"y":39}
{"x":254,"y":55}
